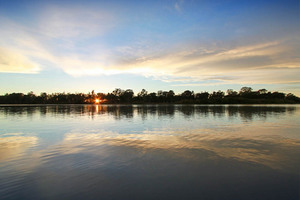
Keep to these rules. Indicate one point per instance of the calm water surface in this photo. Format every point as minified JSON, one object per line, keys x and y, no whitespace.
{"x":150,"y":152}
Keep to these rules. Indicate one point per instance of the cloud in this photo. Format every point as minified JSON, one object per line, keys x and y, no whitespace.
{"x":269,"y":62}
{"x":26,"y":42}
{"x":74,"y":39}
{"x":13,"y":62}
{"x":70,"y":22}
{"x":57,"y":39}
{"x":178,"y":5}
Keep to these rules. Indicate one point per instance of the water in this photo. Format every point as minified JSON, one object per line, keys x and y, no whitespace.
{"x":150,"y":152}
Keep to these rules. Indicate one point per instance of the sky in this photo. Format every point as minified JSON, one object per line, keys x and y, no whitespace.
{"x":199,"y":45}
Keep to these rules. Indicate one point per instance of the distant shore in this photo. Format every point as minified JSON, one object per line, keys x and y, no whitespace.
{"x":129,"y":104}
{"x":246,"y":95}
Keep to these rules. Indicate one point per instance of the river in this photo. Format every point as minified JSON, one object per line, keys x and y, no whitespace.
{"x":150,"y":152}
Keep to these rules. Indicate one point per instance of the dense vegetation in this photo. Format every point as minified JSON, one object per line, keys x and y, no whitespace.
{"x":245,"y":95}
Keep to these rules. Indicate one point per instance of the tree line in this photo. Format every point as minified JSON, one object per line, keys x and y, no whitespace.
{"x":244,"y":96}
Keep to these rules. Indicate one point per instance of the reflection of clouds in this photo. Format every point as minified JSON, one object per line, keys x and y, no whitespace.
{"x":77,"y":142}
{"x":273,"y":151}
{"x":15,"y":145}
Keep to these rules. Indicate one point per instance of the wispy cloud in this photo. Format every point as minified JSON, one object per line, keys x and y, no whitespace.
{"x":13,"y":62}
{"x":59,"y":38}
{"x":72,"y":22}
{"x":232,"y":64}
{"x":178,"y":5}
{"x":73,"y":39}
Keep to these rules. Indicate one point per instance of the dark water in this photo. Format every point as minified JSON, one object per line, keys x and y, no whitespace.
{"x":149,"y":152}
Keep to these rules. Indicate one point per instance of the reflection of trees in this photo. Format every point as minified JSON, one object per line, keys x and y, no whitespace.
{"x":218,"y":111}
{"x":232,"y":111}
{"x":143,"y":111}
{"x":187,"y":111}
{"x":249,"y":112}
{"x":18,"y":110}
{"x":155,"y":110}
{"x":202,"y":110}
{"x":120,"y":111}
{"x":166,"y":110}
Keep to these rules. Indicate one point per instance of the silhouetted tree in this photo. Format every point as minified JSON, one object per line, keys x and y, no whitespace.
{"x":126,"y":96}
{"x":216,"y":97}
{"x":202,"y":97}
{"x":231,"y":92}
{"x":143,"y":93}
{"x":262,"y":91}
{"x":246,"y":95}
{"x":117,"y":92}
{"x":245,"y":90}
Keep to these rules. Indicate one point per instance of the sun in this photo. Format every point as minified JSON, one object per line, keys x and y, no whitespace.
{"x":97,"y":100}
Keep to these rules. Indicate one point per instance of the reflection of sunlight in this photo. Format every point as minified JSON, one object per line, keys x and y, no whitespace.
{"x":15,"y":145}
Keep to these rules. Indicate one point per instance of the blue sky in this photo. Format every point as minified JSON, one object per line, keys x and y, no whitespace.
{"x":79,"y":46}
